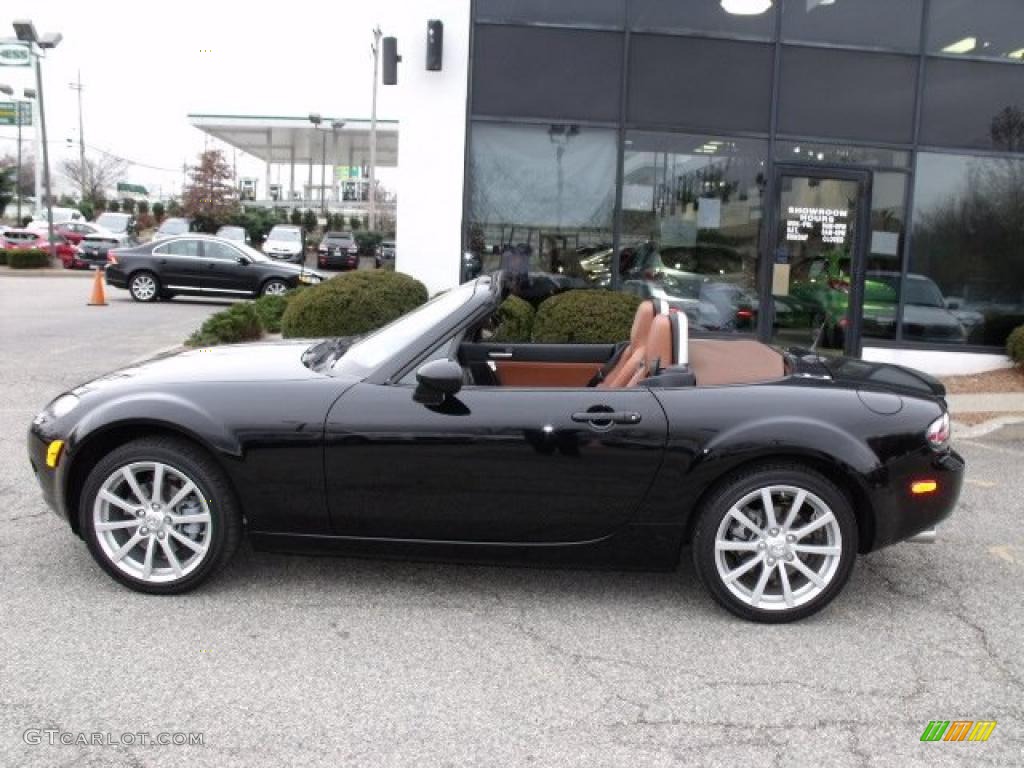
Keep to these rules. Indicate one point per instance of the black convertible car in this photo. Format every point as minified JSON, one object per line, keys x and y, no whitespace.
{"x":201,"y":265}
{"x":428,"y":439}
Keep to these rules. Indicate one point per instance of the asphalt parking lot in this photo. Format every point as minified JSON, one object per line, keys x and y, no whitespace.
{"x":293,"y":660}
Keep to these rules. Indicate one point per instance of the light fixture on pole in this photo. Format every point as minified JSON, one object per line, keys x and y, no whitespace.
{"x":26,"y":32}
{"x":316,"y":120}
{"x":372,"y":192}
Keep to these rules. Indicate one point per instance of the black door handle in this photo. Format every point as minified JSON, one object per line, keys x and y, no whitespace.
{"x":604,"y":419}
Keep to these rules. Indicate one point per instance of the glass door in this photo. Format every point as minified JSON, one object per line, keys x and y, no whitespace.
{"x":817,"y":265}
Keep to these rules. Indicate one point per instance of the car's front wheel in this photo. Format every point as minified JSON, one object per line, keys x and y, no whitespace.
{"x":159,"y":516}
{"x":775,"y":543}
{"x":274,"y":287}
{"x":144,"y":286}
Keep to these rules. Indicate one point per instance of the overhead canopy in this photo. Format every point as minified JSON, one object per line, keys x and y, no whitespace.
{"x":283,"y":140}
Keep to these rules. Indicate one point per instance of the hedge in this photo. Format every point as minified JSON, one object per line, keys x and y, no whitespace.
{"x":3,"y":256}
{"x":351,"y":304}
{"x":1015,"y":345}
{"x":585,"y":317}
{"x":270,"y":309}
{"x":237,"y":323}
{"x":515,"y":321}
{"x":32,"y":258}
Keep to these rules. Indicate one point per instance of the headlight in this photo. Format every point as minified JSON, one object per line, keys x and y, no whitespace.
{"x":63,"y":405}
{"x":309,"y":279}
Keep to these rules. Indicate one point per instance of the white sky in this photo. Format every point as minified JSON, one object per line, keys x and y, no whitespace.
{"x":145,"y":67}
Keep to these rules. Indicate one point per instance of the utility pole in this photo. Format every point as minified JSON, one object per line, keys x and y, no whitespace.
{"x":372,"y":196}
{"x":77,"y":86}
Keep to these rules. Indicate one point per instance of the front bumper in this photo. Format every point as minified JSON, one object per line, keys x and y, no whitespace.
{"x":51,"y":481}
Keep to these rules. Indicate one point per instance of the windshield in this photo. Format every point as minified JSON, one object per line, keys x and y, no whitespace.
{"x":370,"y":352}
{"x":174,"y":227}
{"x":336,"y":236}
{"x":917,"y":291}
{"x":285,"y":235}
{"x":231,"y":233}
{"x":113,"y":222}
{"x":252,"y":253}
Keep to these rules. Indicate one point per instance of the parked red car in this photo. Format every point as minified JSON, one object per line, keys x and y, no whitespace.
{"x":26,"y":239}
{"x":74,"y":231}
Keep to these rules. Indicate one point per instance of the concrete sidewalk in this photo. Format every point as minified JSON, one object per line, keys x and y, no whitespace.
{"x":1007,"y":409}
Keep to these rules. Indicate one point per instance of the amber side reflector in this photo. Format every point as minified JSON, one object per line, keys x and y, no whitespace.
{"x":53,"y":453}
{"x":923,"y":486}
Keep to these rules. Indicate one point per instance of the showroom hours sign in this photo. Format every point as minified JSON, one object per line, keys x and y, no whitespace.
{"x":800,"y":223}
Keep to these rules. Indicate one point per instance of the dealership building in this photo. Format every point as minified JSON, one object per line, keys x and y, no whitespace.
{"x":851,"y":170}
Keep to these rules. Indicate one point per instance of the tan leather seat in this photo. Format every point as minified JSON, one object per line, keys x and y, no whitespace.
{"x":633,"y":357}
{"x":658,"y":351}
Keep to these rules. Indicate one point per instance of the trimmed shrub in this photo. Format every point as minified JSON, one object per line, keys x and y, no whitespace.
{"x":270,"y":309}
{"x":351,"y":304}
{"x":3,"y":256}
{"x":585,"y":317}
{"x":30,"y":258}
{"x":237,"y":323}
{"x":1015,"y":345}
{"x":515,"y":321}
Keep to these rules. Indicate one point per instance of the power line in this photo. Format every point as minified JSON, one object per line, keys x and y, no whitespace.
{"x":102,"y":151}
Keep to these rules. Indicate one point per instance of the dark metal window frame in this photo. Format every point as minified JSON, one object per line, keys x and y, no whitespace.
{"x":770,"y":201}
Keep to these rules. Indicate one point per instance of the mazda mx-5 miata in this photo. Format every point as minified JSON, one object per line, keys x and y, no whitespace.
{"x":430,"y":439}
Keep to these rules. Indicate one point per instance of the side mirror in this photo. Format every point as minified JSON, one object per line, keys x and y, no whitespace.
{"x":436,"y":380}
{"x":242,"y":260}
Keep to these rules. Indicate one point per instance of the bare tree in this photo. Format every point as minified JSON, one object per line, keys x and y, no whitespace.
{"x":210,"y":197}
{"x":97,"y":176}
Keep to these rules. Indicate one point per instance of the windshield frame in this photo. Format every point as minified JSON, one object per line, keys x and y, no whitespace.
{"x":380,"y":368}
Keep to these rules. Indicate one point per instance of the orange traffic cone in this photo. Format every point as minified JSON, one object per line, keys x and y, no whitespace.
{"x":99,"y":296}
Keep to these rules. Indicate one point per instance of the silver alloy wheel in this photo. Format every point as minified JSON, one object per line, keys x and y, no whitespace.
{"x":152,"y":521}
{"x":275,"y":288}
{"x":143,"y":287}
{"x":791,"y":534}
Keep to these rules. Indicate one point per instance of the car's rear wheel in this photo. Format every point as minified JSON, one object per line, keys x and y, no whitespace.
{"x":775,"y":543}
{"x":274,"y":287}
{"x":159,"y":516}
{"x":144,"y":286}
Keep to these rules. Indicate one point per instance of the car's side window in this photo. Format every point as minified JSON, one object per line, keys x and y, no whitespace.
{"x":179,"y":248}
{"x":219,"y":251}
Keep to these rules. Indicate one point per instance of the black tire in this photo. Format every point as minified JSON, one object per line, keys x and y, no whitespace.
{"x":275,"y":282}
{"x":728,"y":494}
{"x":144,"y":286}
{"x":211,"y":483}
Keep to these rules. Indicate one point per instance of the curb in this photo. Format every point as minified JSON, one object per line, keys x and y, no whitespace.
{"x":6,"y":271}
{"x":1001,"y":428}
{"x":164,"y":352}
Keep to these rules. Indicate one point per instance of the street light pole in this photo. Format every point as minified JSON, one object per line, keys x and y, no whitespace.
{"x":26,"y":32}
{"x":46,"y":162}
{"x":372,"y":192}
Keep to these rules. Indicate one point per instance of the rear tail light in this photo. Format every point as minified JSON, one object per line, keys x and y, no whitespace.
{"x":939,"y":432}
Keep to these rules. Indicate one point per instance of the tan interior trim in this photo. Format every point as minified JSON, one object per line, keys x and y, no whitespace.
{"x":738,"y":361}
{"x":512,"y":373}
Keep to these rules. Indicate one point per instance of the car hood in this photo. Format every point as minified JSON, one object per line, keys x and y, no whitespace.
{"x":282,"y":245}
{"x":284,"y":267}
{"x":260,"y":361}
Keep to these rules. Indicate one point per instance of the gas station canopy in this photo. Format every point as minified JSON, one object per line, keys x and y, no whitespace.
{"x":282,"y":140}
